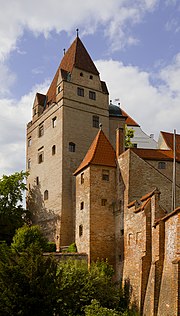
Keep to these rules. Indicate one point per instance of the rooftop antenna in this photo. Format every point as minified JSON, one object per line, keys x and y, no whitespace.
{"x":77,"y":31}
{"x":64,"y":50}
{"x":174,"y":173}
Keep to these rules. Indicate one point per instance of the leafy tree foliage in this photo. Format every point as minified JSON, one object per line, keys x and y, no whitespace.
{"x":12,"y":213}
{"x":29,"y":235}
{"x":129,"y":134}
{"x":27,"y":283}
{"x":96,"y":310}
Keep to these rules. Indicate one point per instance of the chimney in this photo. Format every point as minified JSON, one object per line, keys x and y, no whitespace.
{"x":120,"y":141}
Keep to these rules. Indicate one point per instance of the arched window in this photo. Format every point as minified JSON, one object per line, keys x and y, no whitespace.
{"x":53,"y":150}
{"x":72,"y":147}
{"x":46,"y":195}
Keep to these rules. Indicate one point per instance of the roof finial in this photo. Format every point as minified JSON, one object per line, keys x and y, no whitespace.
{"x":100,"y":126}
{"x":64,"y":50}
{"x":77,"y":31}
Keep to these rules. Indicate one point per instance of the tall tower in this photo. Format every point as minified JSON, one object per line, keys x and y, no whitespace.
{"x":64,"y":124}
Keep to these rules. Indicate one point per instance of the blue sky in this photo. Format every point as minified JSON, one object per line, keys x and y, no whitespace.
{"x":134,"y":43}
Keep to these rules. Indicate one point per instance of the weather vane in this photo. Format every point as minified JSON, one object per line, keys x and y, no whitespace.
{"x":77,"y":30}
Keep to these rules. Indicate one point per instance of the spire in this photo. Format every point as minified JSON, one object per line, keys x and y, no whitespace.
{"x":100,"y":153}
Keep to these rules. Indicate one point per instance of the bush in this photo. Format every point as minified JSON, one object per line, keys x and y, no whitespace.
{"x":50,"y":247}
{"x":27,"y":236}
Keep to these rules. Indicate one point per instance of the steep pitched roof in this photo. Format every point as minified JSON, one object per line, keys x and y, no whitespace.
{"x":129,"y":120}
{"x":100,"y":152}
{"x":155,"y":154}
{"x":77,"y":56}
{"x":168,"y":137}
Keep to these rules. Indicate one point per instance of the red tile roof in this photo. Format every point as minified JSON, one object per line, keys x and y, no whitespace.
{"x":168,"y":137}
{"x":129,"y":120}
{"x":155,"y":154}
{"x":100,"y":152}
{"x":77,"y":56}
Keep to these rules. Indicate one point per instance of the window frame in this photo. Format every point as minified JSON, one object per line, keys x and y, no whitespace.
{"x":54,"y":121}
{"x":80,"y":92}
{"x":72,"y":147}
{"x":161,"y":165}
{"x":92,"y":95}
{"x":40,"y":157}
{"x":95,"y":121}
{"x":105,"y":175}
{"x":46,"y":195}
{"x":41,"y":130}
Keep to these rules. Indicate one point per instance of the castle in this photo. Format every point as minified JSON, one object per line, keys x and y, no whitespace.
{"x":86,"y":187}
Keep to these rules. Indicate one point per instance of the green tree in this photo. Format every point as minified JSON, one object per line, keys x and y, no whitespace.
{"x":12,"y":213}
{"x":129,"y":134}
{"x":78,"y":285}
{"x":96,"y":310}
{"x":26,"y":236}
{"x":28,"y":283}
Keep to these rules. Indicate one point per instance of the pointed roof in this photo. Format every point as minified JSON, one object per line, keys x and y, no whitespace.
{"x":168,"y":137}
{"x":100,"y":152}
{"x":77,"y":56}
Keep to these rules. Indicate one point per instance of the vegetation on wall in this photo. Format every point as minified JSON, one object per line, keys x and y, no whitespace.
{"x":129,"y":134}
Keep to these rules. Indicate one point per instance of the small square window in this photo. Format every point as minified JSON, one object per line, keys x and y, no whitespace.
{"x":135,"y":145}
{"x":82,"y":178}
{"x":105,"y":175}
{"x":40,"y":157}
{"x":104,"y":202}
{"x":54,"y":122}
{"x":29,"y":142}
{"x":41,"y":130}
{"x":92,"y":95}
{"x":80,"y":92}
{"x":95,"y":121}
{"x":161,"y":165}
{"x":72,"y":147}
{"x":82,"y":205}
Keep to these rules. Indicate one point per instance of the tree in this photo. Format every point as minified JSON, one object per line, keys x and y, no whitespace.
{"x":12,"y":213}
{"x":26,"y":236}
{"x":129,"y":134}
{"x":28,"y":283}
{"x":96,"y":310}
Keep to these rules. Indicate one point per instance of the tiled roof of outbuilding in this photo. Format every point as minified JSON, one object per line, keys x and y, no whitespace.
{"x":168,"y":137}
{"x":100,"y":152}
{"x":155,"y":154}
{"x":129,"y":120}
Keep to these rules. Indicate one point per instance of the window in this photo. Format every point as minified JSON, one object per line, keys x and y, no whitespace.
{"x":82,"y":205}
{"x":29,"y":163}
{"x":41,"y":157}
{"x":37,"y":180}
{"x":82,"y":178}
{"x":122,"y":232}
{"x":29,"y":141}
{"x":59,"y":89}
{"x":105,"y":175}
{"x":81,"y":74}
{"x":92,"y":95}
{"x":96,"y":121}
{"x":53,"y":150}
{"x":34,"y":112}
{"x":80,"y":230}
{"x":80,"y":92}
{"x":91,"y":77}
{"x":41,"y":130}
{"x":54,"y":122}
{"x":135,"y":145}
{"x":103,"y":202}
{"x":46,"y":195}
{"x":72,"y":147}
{"x":161,"y":165}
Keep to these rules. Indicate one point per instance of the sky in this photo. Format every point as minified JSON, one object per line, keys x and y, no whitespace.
{"x":135,"y":45}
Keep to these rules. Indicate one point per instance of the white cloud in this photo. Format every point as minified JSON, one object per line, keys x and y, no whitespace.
{"x":13,"y":119}
{"x":117,"y":18}
{"x":154,"y":108}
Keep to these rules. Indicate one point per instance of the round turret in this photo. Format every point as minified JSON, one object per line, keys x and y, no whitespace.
{"x":114,"y":110}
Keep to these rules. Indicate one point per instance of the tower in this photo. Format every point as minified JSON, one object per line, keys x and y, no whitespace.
{"x":64,"y":123}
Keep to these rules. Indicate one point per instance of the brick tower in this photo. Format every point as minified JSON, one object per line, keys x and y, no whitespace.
{"x":64,"y":124}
